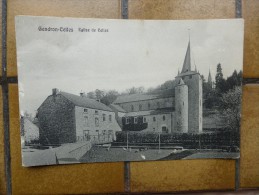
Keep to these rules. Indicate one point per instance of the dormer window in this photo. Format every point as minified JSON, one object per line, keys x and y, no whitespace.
{"x":127,"y":120}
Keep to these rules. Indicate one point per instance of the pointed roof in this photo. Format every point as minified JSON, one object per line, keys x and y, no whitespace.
{"x":181,"y":82}
{"x":209,"y":78}
{"x":187,"y":60}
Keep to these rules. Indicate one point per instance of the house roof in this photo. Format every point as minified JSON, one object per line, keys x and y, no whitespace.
{"x":85,"y":102}
{"x":145,"y":96}
{"x":133,"y":98}
{"x":150,"y":112}
{"x":139,"y":113}
{"x":117,"y":108}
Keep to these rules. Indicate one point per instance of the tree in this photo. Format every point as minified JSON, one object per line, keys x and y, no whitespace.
{"x":135,"y":90}
{"x":221,"y":86}
{"x":99,"y":94}
{"x":230,"y":107}
{"x":110,"y":97}
{"x":90,"y":95}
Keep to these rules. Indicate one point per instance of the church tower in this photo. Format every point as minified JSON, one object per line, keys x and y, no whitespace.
{"x":181,"y":107}
{"x":193,"y":81}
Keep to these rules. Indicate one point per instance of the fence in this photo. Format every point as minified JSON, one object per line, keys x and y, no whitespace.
{"x":96,"y":139}
{"x":205,"y":140}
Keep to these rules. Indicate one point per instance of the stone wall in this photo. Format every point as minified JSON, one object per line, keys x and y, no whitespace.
{"x":56,"y":121}
{"x":93,"y":123}
{"x":194,"y":83}
{"x":181,"y":108}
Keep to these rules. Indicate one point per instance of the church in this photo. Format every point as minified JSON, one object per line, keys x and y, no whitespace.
{"x":68,"y":118}
{"x":176,"y":110}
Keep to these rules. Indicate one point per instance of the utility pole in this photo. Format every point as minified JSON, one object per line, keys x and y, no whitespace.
{"x":159,"y":142}
{"x":127,"y":140}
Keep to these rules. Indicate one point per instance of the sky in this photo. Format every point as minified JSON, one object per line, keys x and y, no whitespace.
{"x":132,"y":53}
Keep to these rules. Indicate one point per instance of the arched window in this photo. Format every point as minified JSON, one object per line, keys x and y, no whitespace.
{"x":132,"y":108}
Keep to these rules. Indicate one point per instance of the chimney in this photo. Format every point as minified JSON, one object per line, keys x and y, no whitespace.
{"x":82,"y":94}
{"x":55,"y":91}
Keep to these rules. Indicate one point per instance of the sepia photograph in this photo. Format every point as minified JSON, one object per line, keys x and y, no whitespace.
{"x":109,"y":90}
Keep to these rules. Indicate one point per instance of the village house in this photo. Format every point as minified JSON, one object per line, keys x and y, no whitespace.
{"x":29,"y":131}
{"x":68,"y":118}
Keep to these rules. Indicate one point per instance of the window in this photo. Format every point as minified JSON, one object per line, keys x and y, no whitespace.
{"x":110,"y":118}
{"x":110,"y":132}
{"x":96,"y":112}
{"x":164,"y":129}
{"x":104,"y":132}
{"x":85,"y":110}
{"x":190,"y":76}
{"x":163,"y":118}
{"x":104,"y":117}
{"x":154,"y":119}
{"x":96,"y":122}
{"x":132,"y":108}
{"x":140,"y":107}
{"x":85,"y":132}
{"x":127,"y":120}
{"x":86,"y":120}
{"x":135,"y":120}
{"x":158,"y":104}
{"x":144,"y":119}
{"x":148,"y":105}
{"x":183,"y":77}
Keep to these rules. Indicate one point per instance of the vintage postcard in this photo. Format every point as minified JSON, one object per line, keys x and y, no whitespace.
{"x":106,"y":90}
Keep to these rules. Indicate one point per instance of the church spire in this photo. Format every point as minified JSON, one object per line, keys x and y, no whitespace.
{"x":187,"y":60}
{"x":209,"y":77}
{"x":210,"y":80}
